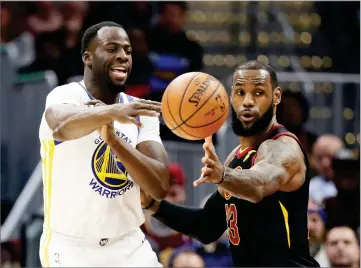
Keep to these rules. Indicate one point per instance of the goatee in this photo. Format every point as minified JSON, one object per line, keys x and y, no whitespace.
{"x":258,"y":127}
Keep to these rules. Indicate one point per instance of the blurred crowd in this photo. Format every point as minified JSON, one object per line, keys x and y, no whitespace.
{"x":161,"y":52}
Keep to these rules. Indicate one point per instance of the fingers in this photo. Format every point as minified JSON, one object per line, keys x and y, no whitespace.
{"x":208,"y":140}
{"x":209,"y":151}
{"x":208,"y":162}
{"x":135,"y":122}
{"x":149,"y":107}
{"x":150,"y":102}
{"x":199,"y":181}
{"x":146,"y":113}
{"x":146,"y":106}
{"x":94,"y":102}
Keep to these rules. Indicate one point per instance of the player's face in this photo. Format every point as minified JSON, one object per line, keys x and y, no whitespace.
{"x":253,"y":101}
{"x":112,"y":58}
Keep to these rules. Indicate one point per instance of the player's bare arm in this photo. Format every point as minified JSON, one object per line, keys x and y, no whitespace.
{"x":70,"y":122}
{"x":279,"y":165}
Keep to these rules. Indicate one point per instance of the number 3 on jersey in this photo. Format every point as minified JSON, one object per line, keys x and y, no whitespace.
{"x":231,"y":214}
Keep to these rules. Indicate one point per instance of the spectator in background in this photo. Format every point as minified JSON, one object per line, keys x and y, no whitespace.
{"x":342,"y":247}
{"x":186,"y":259}
{"x":172,"y":53}
{"x":72,"y":67}
{"x":140,"y":14}
{"x":344,"y":209}
{"x":5,"y":20}
{"x":46,"y":23}
{"x":323,"y":151}
{"x":9,"y":256}
{"x":45,"y":19}
{"x":293,"y":113}
{"x":138,"y":84}
{"x":161,"y":236}
{"x":317,"y":230}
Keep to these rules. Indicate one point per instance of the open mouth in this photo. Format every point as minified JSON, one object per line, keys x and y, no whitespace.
{"x":247,"y":116}
{"x":119,"y":72}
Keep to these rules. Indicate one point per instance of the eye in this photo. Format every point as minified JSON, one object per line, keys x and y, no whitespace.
{"x":111,"y":50}
{"x":259,"y":93}
{"x":240,"y":92}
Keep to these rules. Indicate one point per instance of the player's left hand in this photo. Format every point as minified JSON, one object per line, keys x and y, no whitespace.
{"x":106,"y":131}
{"x":213,"y":168}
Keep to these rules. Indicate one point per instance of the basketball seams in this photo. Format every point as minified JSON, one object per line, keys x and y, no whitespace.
{"x":219,"y":118}
{"x":166,"y":98}
{"x":181,"y":129}
{"x":168,"y":123}
{"x":184,"y":129}
{"x":184,"y":122}
{"x":180,"y":105}
{"x":184,"y":93}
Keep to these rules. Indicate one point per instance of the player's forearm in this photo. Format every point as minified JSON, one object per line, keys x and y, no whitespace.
{"x":247,"y":183}
{"x":204,"y":224}
{"x":69,"y":123}
{"x":151,"y":175}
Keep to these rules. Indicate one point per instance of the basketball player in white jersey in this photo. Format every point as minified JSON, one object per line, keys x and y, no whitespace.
{"x":92,"y":207}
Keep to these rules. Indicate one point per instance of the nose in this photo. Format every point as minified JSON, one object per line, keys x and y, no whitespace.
{"x":248,"y":101}
{"x":326,"y":162}
{"x":122,"y":55}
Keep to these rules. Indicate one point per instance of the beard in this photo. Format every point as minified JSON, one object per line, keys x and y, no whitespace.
{"x":259,"y":126}
{"x":104,"y":82}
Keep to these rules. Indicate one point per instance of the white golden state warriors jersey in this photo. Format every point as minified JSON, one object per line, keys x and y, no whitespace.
{"x":87,"y":191}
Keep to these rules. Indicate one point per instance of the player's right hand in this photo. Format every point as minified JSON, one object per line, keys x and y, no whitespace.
{"x":127,"y":113}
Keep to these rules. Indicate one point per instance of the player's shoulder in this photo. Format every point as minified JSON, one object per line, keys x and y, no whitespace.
{"x":72,"y":88}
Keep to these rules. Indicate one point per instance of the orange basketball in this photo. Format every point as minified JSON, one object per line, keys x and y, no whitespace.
{"x":195,"y":105}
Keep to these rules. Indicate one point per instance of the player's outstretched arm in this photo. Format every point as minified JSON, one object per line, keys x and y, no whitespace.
{"x":279,"y":165}
{"x":205,"y":224}
{"x":69,"y":121}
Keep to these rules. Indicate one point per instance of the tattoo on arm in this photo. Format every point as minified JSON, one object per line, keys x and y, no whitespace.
{"x":276,"y":163}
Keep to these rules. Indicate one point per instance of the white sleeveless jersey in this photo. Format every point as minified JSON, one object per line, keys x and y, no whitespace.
{"x":87,"y":190}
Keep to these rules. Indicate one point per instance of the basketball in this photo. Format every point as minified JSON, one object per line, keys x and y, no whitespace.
{"x":195,"y":105}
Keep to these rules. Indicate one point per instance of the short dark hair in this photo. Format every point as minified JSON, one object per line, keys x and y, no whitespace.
{"x":257,"y":65}
{"x":182,"y":4}
{"x":92,"y":31}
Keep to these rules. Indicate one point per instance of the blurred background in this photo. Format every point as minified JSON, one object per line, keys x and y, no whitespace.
{"x":313,"y":46}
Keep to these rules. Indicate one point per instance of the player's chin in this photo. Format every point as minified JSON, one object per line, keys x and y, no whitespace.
{"x":247,"y":124}
{"x":118,"y":80}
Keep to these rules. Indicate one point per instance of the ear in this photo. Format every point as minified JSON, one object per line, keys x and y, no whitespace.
{"x":87,"y":59}
{"x":277,"y":92}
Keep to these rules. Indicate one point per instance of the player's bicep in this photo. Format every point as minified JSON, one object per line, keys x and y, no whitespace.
{"x":280,"y":164}
{"x":60,"y":103}
{"x":57,"y":113}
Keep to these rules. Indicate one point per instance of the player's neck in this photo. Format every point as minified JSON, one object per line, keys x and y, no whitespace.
{"x":99,"y":92}
{"x":257,"y":139}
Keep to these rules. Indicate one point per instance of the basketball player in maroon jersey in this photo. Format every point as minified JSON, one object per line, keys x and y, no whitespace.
{"x":262,"y":194}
